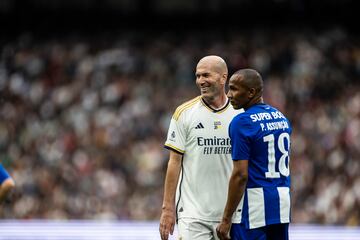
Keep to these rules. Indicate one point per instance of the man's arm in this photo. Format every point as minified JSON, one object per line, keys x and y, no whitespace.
{"x":5,"y":188}
{"x":236,"y":190}
{"x":167,"y":219}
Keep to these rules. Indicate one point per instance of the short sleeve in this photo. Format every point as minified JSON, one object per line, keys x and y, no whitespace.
{"x":240,"y":141}
{"x":176,"y":135}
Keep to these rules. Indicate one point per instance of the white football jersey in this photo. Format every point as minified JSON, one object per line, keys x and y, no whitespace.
{"x":200,"y":134}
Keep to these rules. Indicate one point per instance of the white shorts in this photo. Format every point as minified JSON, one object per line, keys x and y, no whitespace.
{"x":195,"y":229}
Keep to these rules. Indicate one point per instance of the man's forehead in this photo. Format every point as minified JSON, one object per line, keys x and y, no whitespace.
{"x":203,"y":69}
{"x":203,"y":64}
{"x":236,"y":78}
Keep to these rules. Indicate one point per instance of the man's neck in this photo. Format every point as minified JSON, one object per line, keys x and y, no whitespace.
{"x":254,"y":102}
{"x":217,"y":102}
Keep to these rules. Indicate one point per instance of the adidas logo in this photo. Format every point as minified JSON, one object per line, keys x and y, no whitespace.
{"x":199,"y":126}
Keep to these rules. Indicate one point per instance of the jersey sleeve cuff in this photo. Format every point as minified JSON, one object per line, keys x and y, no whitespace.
{"x":175,"y":149}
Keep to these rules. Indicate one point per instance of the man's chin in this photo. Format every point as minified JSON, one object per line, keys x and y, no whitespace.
{"x":206,"y":95}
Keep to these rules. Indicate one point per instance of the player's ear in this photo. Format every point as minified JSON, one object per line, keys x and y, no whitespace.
{"x":223,"y":78}
{"x":252,"y":92}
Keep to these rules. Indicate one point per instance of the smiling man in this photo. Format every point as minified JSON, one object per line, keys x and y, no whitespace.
{"x":200,"y":162}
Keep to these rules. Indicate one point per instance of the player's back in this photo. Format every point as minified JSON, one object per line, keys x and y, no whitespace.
{"x":267,"y":134}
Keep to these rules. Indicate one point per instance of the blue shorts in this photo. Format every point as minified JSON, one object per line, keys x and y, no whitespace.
{"x":270,"y":232}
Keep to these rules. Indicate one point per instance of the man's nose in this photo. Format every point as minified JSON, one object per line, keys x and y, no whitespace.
{"x":201,"y":81}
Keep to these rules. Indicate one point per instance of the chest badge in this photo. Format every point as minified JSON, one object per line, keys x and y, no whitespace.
{"x":217,"y":125}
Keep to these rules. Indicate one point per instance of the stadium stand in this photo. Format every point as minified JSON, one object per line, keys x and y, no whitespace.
{"x":83,"y":116}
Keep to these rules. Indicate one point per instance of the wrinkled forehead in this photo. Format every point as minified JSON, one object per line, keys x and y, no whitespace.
{"x":208,"y":66}
{"x":204,"y":68}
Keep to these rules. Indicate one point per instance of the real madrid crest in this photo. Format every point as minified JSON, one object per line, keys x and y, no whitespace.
{"x":217,"y":124}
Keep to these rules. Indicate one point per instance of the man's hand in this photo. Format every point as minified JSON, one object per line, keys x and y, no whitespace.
{"x":167,"y":223}
{"x":223,"y":230}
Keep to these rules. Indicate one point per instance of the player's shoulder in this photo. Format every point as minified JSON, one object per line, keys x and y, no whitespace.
{"x":271,"y":108}
{"x":185,"y":106}
{"x":239,"y":120}
{"x":241,"y":114}
{"x":277,"y":113}
{"x":233,"y":110}
{"x":243,"y":118}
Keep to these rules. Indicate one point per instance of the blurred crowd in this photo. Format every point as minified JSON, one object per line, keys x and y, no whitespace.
{"x":83,"y":119}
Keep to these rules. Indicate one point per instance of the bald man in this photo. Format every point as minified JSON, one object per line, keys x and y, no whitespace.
{"x":260,"y":140}
{"x":200,"y":162}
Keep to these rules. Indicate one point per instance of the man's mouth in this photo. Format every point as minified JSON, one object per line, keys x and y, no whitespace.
{"x":204,"y":89}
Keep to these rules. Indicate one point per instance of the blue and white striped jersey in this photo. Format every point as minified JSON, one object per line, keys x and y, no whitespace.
{"x":261,"y":135}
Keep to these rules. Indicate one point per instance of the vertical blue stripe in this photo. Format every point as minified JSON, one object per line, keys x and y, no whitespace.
{"x":245,"y":211}
{"x":272,"y":206}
